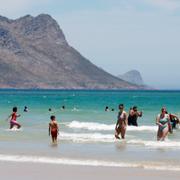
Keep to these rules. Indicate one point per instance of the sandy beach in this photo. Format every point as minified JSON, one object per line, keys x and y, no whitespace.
{"x":29,"y":171}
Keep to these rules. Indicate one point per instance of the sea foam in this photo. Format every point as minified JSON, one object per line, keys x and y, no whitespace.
{"x":109,"y":138}
{"x":88,"y":162}
{"x":156,"y":144}
{"x":106,"y":127}
{"x":87,"y":137}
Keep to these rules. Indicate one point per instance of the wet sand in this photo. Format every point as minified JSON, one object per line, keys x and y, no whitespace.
{"x":33,"y":171}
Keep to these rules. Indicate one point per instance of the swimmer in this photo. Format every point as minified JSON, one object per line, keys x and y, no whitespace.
{"x":106,"y":108}
{"x":63,"y":108}
{"x":53,"y":129}
{"x":162,"y":120}
{"x":14,"y":117}
{"x":174,"y":120}
{"x":25,"y":109}
{"x":121,"y":123}
{"x":49,"y":109}
{"x":133,"y":116}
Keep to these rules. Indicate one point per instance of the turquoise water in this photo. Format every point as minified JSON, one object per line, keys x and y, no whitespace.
{"x":86,"y":130}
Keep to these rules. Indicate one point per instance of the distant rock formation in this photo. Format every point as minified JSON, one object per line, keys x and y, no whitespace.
{"x":35,"y":54}
{"x":133,"y":76}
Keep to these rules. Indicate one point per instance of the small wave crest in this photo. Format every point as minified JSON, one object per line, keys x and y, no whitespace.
{"x":88,"y":162}
{"x":87,"y":137}
{"x":90,"y":126}
{"x":156,"y":144}
{"x":93,"y":126}
{"x":109,"y":138}
{"x":142,"y":128}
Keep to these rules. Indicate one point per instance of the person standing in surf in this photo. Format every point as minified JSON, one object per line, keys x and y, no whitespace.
{"x":53,"y":129}
{"x":121,"y":123}
{"x":162,"y":120}
{"x":14,"y":116}
{"x":174,"y":120}
{"x":133,"y":116}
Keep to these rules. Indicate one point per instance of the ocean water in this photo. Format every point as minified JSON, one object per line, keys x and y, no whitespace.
{"x":86,"y":130}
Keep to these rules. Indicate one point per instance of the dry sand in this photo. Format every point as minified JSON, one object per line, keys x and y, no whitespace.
{"x":32,"y":171}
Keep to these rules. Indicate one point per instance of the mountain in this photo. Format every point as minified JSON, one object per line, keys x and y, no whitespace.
{"x":133,"y":76}
{"x":34,"y":53}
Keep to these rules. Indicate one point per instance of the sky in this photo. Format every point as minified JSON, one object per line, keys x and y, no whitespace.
{"x":117,"y":35}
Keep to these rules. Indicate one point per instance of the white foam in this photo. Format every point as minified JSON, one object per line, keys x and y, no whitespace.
{"x":156,"y":144}
{"x":75,"y":109}
{"x":106,"y":127}
{"x":88,"y":162}
{"x":14,"y":129}
{"x":142,"y":128}
{"x":109,"y":138}
{"x":87,"y":137}
{"x":90,"y":126}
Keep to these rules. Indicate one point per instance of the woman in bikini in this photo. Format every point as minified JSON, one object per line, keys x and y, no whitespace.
{"x":162,"y":121}
{"x":13,"y":120}
{"x":53,"y":129}
{"x":121,"y":123}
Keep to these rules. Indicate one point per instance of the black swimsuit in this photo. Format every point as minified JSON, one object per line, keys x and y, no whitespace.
{"x":132,"y":120}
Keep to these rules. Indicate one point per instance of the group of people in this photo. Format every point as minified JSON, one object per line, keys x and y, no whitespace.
{"x":124,"y":119}
{"x":53,"y":125}
{"x":107,"y":109}
{"x":166,"y":122}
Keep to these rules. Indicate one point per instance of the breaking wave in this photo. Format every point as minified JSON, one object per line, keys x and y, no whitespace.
{"x":106,"y":127}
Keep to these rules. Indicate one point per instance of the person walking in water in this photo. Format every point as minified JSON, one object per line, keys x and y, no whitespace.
{"x":14,"y":116}
{"x":174,"y":120}
{"x":121,"y":123}
{"x":133,"y":116}
{"x":162,"y":120}
{"x":53,"y":129}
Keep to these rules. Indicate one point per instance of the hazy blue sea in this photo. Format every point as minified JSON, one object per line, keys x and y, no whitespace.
{"x":86,"y":130}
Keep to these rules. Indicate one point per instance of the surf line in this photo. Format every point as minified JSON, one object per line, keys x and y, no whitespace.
{"x":76,"y":162}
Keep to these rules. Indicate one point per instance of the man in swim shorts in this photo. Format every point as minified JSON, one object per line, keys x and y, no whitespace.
{"x":133,"y":116}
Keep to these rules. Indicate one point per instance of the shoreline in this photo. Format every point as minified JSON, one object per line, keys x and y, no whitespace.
{"x":29,"y":171}
{"x":91,"y":163}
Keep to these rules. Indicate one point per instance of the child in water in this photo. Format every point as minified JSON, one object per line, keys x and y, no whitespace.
{"x":13,"y":117}
{"x":53,"y":129}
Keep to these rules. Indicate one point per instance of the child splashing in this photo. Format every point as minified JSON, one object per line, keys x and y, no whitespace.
{"x":14,"y":117}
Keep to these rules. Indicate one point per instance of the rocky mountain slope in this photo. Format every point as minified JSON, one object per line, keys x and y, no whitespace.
{"x":132,"y":76}
{"x":35,"y":54}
